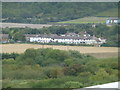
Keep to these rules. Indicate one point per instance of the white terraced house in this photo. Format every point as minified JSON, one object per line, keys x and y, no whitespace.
{"x":69,"y":38}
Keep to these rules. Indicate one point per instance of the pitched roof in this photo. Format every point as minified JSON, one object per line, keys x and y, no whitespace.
{"x":55,"y":36}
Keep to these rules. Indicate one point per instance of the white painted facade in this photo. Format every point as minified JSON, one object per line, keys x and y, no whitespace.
{"x":67,"y":39}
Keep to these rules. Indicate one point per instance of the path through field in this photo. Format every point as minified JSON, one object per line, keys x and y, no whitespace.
{"x":100,"y":52}
{"x":23,"y":25}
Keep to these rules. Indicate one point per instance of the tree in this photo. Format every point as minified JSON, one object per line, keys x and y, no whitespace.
{"x":19,"y":36}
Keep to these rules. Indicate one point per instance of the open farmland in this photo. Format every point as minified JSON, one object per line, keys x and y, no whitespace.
{"x":87,"y":20}
{"x":100,"y":52}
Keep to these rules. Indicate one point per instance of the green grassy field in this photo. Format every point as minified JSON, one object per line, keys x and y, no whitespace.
{"x":87,"y":20}
{"x":99,"y":18}
{"x":109,"y":13}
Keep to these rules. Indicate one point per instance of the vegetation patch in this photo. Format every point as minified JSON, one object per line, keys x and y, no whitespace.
{"x":48,"y":68}
{"x":109,"y":13}
{"x":47,"y":12}
{"x":86,"y":20}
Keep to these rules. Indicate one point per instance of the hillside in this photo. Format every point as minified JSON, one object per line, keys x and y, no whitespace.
{"x":51,"y":12}
{"x":98,"y":18}
{"x":86,"y":20}
{"x":109,"y":13}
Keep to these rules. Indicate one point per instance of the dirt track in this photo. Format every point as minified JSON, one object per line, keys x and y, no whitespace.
{"x":23,"y":25}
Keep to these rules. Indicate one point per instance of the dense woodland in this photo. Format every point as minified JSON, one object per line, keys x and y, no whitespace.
{"x":109,"y":33}
{"x":51,"y":12}
{"x":48,"y":68}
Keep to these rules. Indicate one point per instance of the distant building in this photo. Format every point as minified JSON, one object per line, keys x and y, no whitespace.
{"x":68,"y":38}
{"x":112,"y":21}
{"x":4,"y":38}
{"x":94,"y":25}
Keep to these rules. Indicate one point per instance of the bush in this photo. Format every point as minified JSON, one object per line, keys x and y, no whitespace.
{"x":53,"y":72}
{"x":100,"y":76}
{"x":22,"y":72}
{"x":9,"y":61}
{"x":73,"y":70}
{"x":7,"y":55}
{"x":72,"y":84}
{"x":49,"y":57}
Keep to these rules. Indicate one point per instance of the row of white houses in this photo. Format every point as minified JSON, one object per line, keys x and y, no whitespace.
{"x":69,"y":38}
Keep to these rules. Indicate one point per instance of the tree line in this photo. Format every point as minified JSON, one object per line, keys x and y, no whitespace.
{"x":45,"y":12}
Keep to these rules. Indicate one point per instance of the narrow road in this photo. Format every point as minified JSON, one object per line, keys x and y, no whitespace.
{"x":23,"y":25}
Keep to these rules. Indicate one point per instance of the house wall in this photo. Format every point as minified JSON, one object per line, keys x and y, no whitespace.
{"x":67,"y":41}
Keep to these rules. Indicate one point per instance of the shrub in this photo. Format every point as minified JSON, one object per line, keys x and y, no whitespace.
{"x":72,"y":84}
{"x":73,"y":70}
{"x":9,"y":61}
{"x":22,"y":72}
{"x":53,"y":72}
{"x":8,"y":56}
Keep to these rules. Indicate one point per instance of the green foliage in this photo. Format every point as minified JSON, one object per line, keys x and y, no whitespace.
{"x":76,"y":54}
{"x":73,"y":70}
{"x":85,"y":74}
{"x":69,"y":62}
{"x":8,"y":61}
{"x":18,"y":36}
{"x":86,"y":20}
{"x":72,"y":84}
{"x":45,"y":12}
{"x":56,"y":82}
{"x":21,"y":72}
{"x":109,"y":13}
{"x":40,"y":68}
{"x":108,"y":63}
{"x":53,"y":72}
{"x":102,"y":76}
{"x":47,"y":57}
{"x":11,"y":55}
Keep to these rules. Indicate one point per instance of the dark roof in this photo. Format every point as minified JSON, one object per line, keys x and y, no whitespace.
{"x":112,"y":18}
{"x":71,"y":34}
{"x":55,"y":36}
